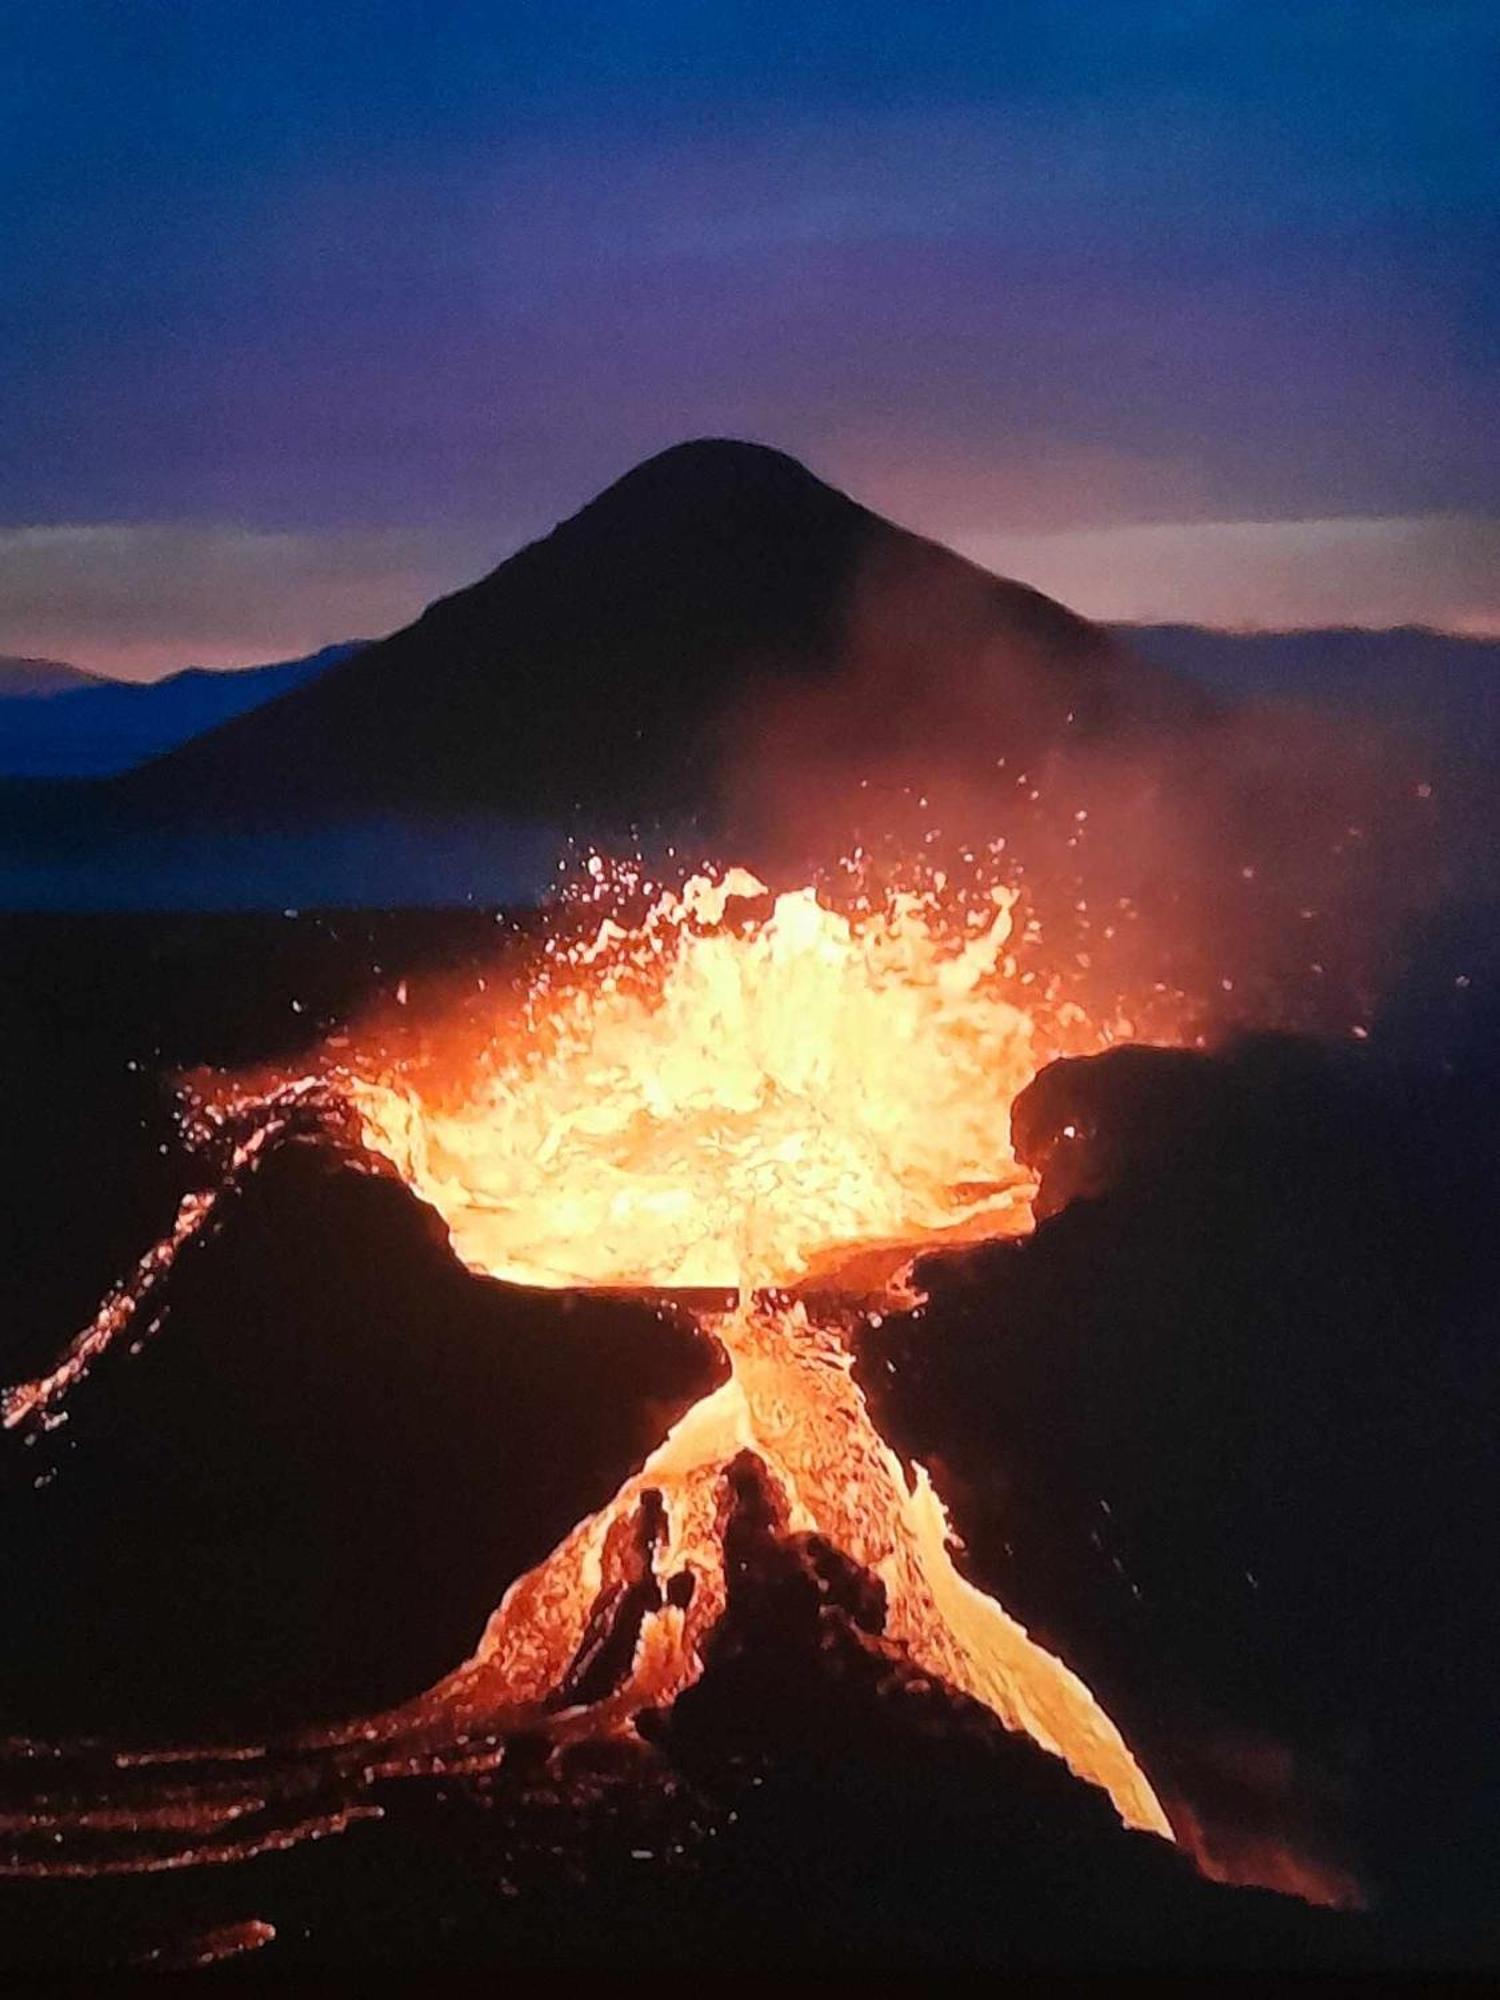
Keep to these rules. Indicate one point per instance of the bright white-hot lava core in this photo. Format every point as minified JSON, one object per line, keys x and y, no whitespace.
{"x":725,"y":1097}
{"x":732,"y":1092}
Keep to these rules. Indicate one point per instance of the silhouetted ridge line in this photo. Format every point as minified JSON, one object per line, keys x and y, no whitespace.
{"x":593,"y":675}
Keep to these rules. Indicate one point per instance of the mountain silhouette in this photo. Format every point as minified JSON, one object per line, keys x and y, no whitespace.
{"x":1440,"y":689}
{"x":608,"y":670}
{"x":25,"y":679}
{"x":92,"y":727}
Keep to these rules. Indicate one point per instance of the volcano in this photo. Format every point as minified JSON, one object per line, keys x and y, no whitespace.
{"x":335,"y":1443}
{"x":601,"y":673}
{"x":749,"y":1109}
{"x":761,"y":1137}
{"x":536,"y":1404}
{"x":702,"y":1153}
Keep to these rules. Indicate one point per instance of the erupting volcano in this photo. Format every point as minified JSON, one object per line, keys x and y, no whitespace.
{"x":763,"y":1126}
{"x":728,"y":1093}
{"x":754,"y":1231}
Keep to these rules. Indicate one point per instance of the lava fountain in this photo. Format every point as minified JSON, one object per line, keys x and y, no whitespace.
{"x":772,"y":1099}
{"x":705,"y":1102}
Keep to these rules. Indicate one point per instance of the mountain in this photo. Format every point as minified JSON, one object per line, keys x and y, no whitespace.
{"x":91,"y":727}
{"x":23,"y":679}
{"x":1437,"y":686}
{"x":724,"y":653}
{"x":609,"y":668}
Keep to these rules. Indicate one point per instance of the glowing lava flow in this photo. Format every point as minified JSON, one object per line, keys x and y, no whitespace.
{"x":712,"y":1097}
{"x":792,"y":1402}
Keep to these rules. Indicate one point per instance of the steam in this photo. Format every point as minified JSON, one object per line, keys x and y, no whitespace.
{"x":1199,"y":863}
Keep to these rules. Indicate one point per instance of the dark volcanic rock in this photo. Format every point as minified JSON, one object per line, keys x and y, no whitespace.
{"x":812,"y":1804}
{"x":99,"y":1013}
{"x":306,"y":1493}
{"x":1221,"y":1434}
{"x":881,"y":1818}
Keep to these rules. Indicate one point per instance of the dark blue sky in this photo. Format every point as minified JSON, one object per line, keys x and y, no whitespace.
{"x":313,"y":310}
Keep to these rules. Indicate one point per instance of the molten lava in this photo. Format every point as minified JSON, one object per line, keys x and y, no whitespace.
{"x":733,"y":1103}
{"x":791,"y":1402}
{"x":731,"y":1092}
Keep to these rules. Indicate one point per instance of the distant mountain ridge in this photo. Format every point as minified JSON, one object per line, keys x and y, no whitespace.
{"x":25,"y":679}
{"x":1441,"y":688}
{"x":95,"y":728}
{"x":62,"y":721}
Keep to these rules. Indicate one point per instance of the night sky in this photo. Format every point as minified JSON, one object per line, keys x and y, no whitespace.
{"x":311,"y":311}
